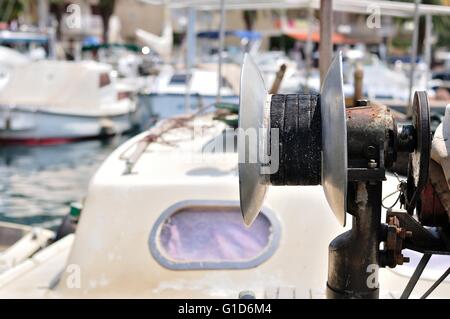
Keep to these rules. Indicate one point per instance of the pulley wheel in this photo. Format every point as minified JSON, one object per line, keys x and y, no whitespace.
{"x":419,"y":159}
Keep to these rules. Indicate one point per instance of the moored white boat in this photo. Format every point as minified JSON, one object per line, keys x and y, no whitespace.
{"x":174,"y":92}
{"x":9,"y":59}
{"x":58,"y":101}
{"x":162,"y":220}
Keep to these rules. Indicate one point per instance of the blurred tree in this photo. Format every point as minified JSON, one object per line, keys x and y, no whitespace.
{"x":10,"y":10}
{"x":250,"y":17}
{"x":106,"y":10}
{"x":57,"y":9}
{"x":441,"y":26}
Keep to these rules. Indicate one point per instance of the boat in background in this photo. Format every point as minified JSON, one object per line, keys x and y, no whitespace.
{"x":380,"y":82}
{"x":174,"y":92}
{"x":269,"y":62}
{"x":9,"y":59}
{"x":48,"y":102}
{"x":294,"y":79}
{"x":35,"y":44}
{"x":131,"y":63}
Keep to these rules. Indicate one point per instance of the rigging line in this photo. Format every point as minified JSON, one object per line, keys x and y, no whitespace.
{"x":436,"y":284}
{"x":416,"y":275}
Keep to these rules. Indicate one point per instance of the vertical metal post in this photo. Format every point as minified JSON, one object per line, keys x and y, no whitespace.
{"x":191,"y":37}
{"x":43,"y":14}
{"x":326,"y":36}
{"x":413,"y":55}
{"x":51,"y":33}
{"x":358,"y":83}
{"x":353,"y":256}
{"x":309,"y":45}
{"x":427,"y":44}
{"x":221,"y":45}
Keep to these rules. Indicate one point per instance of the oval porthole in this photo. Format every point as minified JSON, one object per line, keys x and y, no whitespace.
{"x":212,"y":235}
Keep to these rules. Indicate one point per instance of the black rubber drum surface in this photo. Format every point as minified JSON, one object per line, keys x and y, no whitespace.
{"x":297,"y":117}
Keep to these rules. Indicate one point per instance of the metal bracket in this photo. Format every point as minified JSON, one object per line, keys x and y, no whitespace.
{"x":424,"y":240}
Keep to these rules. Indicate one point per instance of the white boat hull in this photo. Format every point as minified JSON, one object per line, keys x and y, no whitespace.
{"x":28,"y":125}
{"x":122,"y":247}
{"x":167,"y":105}
{"x":20,"y":242}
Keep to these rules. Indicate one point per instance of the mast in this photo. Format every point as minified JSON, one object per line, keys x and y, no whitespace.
{"x":413,"y":55}
{"x":221,"y":45}
{"x":326,"y":34}
{"x":428,"y":34}
{"x":191,"y":38}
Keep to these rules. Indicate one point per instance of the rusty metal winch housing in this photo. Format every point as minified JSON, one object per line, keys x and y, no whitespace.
{"x":371,"y":139}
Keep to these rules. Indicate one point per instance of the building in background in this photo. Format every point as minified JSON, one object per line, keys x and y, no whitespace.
{"x":135,"y":15}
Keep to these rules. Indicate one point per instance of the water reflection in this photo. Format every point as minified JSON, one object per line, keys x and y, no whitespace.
{"x":38,"y":183}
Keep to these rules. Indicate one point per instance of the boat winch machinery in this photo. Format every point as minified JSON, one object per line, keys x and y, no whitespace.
{"x":313,"y":139}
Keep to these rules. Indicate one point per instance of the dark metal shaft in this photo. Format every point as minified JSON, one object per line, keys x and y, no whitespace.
{"x":353,"y":256}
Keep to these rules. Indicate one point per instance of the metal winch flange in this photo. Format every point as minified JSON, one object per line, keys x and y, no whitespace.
{"x":311,"y":145}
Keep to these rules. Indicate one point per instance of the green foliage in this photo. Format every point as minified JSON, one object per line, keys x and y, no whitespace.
{"x":441,"y":24}
{"x":10,"y":10}
{"x":442,"y":29}
{"x":401,"y":43}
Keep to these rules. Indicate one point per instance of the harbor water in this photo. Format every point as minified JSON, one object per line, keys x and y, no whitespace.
{"x":39,"y":183}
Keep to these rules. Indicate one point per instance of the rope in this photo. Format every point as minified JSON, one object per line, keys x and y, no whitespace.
{"x":166,"y":126}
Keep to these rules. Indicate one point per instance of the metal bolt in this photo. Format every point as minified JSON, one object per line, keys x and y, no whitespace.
{"x":400,"y":259}
{"x":362,"y":103}
{"x":372,"y":164}
{"x":371,"y":150}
